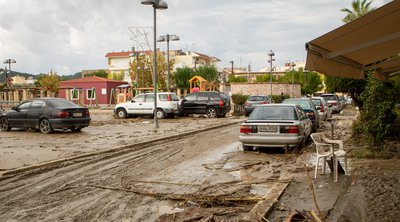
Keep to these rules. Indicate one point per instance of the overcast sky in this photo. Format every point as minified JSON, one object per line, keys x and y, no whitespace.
{"x":72,"y":35}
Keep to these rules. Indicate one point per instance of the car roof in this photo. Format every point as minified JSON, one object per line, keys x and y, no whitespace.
{"x":278,"y":104}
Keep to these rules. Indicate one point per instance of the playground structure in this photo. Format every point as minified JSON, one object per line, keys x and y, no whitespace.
{"x":202,"y":84}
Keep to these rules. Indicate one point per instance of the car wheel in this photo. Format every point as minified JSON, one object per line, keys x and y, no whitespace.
{"x":121,"y":113}
{"x":211,"y":112}
{"x":5,"y":126}
{"x":160,"y":114}
{"x":247,"y":148}
{"x":76,"y":129}
{"x":45,"y":126}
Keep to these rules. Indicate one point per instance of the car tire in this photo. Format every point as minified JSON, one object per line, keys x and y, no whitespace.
{"x":211,"y":112}
{"x":121,"y":114}
{"x":76,"y":129}
{"x":5,"y":125}
{"x":247,"y":148}
{"x":160,"y":114}
{"x":221,"y":115}
{"x":45,"y":126}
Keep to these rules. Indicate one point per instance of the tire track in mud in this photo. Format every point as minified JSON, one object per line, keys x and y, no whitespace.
{"x":65,"y":193}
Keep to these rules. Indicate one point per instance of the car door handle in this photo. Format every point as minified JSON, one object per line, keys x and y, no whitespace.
{"x":140,"y":104}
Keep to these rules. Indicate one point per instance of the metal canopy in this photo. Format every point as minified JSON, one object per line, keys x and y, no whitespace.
{"x":369,"y":42}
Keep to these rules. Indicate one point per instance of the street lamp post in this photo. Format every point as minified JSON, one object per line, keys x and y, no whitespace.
{"x":293,"y":65}
{"x":270,"y":54}
{"x":157,"y":4}
{"x":8,"y":76}
{"x":168,"y":38}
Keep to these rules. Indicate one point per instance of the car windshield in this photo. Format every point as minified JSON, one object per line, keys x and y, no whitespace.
{"x":60,"y":103}
{"x":273,"y":113}
{"x":256,"y":98}
{"x":303,"y":103}
{"x":168,"y":97}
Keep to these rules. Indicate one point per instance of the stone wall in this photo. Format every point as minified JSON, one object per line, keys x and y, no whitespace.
{"x":265,"y":88}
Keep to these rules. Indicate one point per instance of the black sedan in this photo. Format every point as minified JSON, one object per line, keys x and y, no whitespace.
{"x":46,"y":114}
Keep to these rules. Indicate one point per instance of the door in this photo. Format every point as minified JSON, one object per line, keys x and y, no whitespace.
{"x":136,"y":105}
{"x":188,"y":103}
{"x":18,"y":118}
{"x":201,"y":102}
{"x":35,"y":111}
{"x":148,"y":104}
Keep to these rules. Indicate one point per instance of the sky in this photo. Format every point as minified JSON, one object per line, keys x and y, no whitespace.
{"x":69,"y":36}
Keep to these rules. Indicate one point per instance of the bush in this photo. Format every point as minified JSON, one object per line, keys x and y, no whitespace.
{"x":237,"y":79}
{"x":239,"y":99}
{"x":377,"y":116}
{"x":278,"y":98}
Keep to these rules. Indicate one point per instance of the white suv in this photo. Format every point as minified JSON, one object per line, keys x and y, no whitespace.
{"x":143,"y":104}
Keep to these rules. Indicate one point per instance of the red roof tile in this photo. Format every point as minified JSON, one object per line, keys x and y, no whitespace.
{"x":93,"y":79}
{"x":125,"y":54}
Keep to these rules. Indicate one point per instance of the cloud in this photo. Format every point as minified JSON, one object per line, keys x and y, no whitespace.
{"x":69,"y":36}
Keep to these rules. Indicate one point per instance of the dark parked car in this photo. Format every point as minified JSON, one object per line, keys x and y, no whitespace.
{"x":275,"y":125}
{"x":309,"y":108}
{"x":214,"y":104}
{"x":254,"y":100}
{"x":46,"y":114}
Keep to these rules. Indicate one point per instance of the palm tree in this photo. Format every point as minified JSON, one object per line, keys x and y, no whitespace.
{"x":359,"y":8}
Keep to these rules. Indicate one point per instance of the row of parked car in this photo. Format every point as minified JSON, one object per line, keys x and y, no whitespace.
{"x":213,"y":104}
{"x":285,"y":125}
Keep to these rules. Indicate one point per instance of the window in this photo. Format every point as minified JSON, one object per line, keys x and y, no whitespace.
{"x":74,"y":94}
{"x":139,"y":98}
{"x":24,"y":106}
{"x":214,"y":97}
{"x":149,"y":98}
{"x":202,"y":97}
{"x":37,"y":103}
{"x":91,"y":94}
{"x":191,"y":97}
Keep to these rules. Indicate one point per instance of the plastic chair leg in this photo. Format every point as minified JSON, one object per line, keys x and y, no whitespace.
{"x":324,"y":165}
{"x":335,"y":170}
{"x":316,"y":168}
{"x":345,"y":165}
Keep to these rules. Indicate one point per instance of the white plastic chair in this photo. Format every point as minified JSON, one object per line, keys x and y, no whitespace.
{"x":323,"y":151}
{"x":340,"y":153}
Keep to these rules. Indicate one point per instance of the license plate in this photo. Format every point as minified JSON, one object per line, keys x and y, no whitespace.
{"x":268,"y":128}
{"x":77,"y":114}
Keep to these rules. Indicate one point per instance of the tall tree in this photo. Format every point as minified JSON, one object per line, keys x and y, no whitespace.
{"x":49,"y":82}
{"x":358,"y":9}
{"x":182,"y":77}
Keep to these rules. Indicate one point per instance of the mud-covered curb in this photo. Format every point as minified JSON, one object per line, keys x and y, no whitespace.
{"x":117,"y":149}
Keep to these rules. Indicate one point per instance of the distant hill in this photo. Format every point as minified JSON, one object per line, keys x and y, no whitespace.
{"x":35,"y":76}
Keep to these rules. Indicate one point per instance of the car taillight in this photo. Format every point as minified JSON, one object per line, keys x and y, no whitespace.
{"x":290,"y":129}
{"x":265,"y":102}
{"x":333,"y":103}
{"x":221,"y":103}
{"x":63,"y":114}
{"x":169,"y":97}
{"x":322,"y":108}
{"x":246,"y":129}
{"x":87,"y":113}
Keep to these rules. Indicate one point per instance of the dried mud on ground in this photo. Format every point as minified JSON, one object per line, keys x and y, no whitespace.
{"x":20,"y":148}
{"x":370,"y":191}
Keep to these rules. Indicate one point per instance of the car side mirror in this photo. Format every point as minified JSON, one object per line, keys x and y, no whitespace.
{"x":183,"y":100}
{"x":329,"y":105}
{"x":14,"y":108}
{"x":132,"y":101}
{"x":318,"y":108}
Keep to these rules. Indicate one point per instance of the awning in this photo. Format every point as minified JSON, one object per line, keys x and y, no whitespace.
{"x":370,"y":42}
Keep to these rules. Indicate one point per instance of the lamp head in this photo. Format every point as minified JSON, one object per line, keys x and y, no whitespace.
{"x":161,"y":5}
{"x":149,"y":2}
{"x":174,"y":38}
{"x":271,"y":53}
{"x":161,"y":39}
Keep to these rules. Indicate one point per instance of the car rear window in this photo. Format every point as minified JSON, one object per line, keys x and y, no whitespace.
{"x":329,"y":97}
{"x":273,"y":113}
{"x":316,"y":102}
{"x":168,"y":97}
{"x":303,"y":103}
{"x":256,"y":98}
{"x":60,"y":103}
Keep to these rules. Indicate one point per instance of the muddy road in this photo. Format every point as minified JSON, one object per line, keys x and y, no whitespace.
{"x":192,"y":177}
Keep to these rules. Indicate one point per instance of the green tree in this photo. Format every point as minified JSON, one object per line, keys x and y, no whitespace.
{"x":142,"y":69}
{"x":182,"y":77}
{"x":99,"y":73}
{"x":311,"y":82}
{"x":358,"y":9}
{"x":209,"y":73}
{"x":116,"y":76}
{"x":265,"y":78}
{"x":237,"y":79}
{"x":50,"y":82}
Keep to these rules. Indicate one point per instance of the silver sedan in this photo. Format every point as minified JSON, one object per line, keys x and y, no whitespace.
{"x":275,"y":125}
